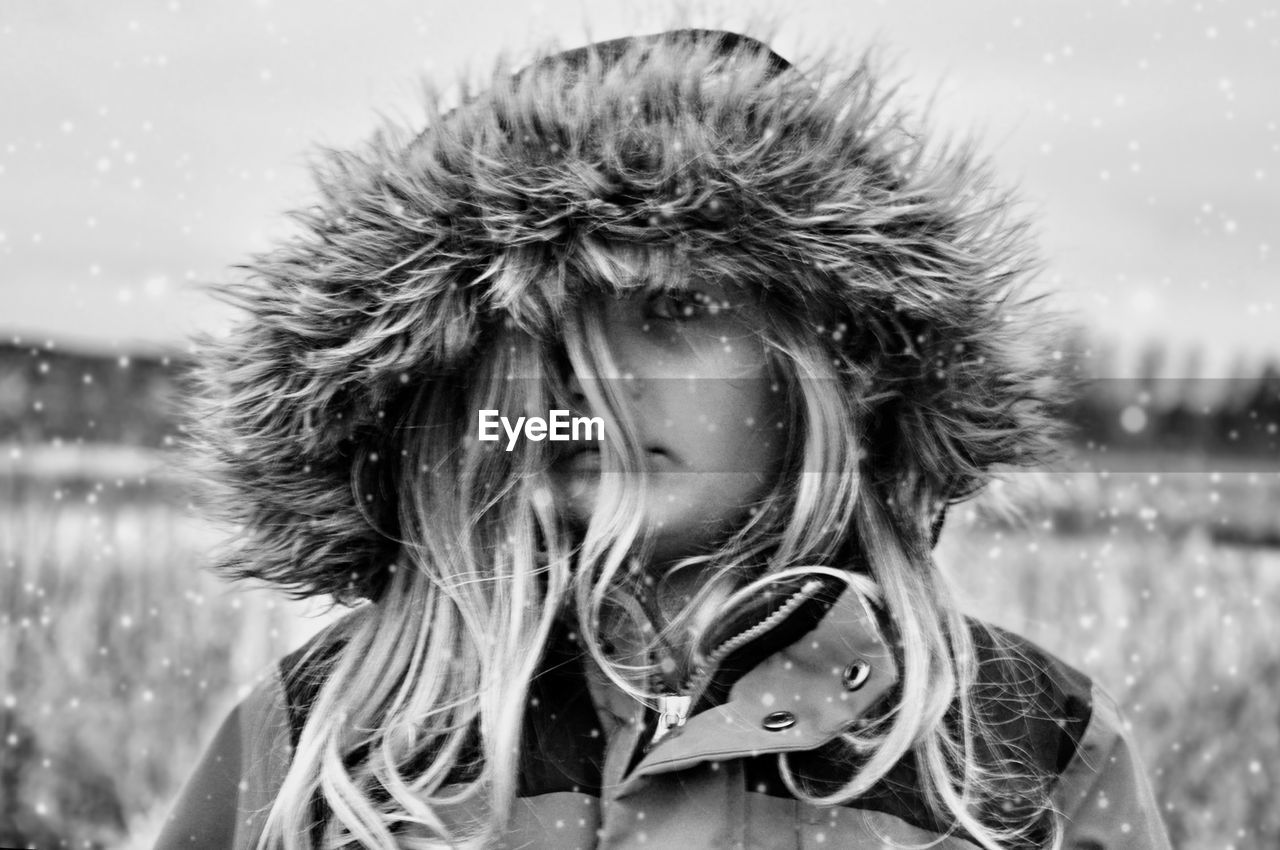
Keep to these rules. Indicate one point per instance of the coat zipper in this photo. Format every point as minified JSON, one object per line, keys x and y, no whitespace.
{"x":673,"y":708}
{"x":673,"y":711}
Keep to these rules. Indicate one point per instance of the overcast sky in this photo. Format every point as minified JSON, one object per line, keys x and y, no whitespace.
{"x":148,"y":146}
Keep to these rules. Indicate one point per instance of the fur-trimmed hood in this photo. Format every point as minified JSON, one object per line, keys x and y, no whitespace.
{"x":703,"y":143}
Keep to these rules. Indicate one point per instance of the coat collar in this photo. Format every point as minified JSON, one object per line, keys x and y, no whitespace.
{"x":799,"y":697}
{"x":800,"y":669}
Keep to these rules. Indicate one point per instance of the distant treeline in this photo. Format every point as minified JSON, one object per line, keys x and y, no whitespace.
{"x":1183,"y":414}
{"x":51,"y":394}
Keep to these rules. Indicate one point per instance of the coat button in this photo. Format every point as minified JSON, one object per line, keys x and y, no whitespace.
{"x":856,"y":675}
{"x":778,"y":720}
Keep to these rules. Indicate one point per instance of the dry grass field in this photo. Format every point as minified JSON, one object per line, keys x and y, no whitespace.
{"x":118,"y":655}
{"x":1179,"y":627}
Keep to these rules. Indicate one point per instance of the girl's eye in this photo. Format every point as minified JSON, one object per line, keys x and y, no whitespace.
{"x":683,"y":306}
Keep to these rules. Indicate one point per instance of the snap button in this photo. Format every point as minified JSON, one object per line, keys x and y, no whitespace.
{"x":856,"y":675}
{"x":778,"y":720}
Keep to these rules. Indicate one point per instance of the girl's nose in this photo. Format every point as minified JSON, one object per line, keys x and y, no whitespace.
{"x":612,"y":367}
{"x":574,"y":385}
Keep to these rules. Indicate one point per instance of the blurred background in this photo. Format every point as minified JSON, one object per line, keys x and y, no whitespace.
{"x":147,"y":147}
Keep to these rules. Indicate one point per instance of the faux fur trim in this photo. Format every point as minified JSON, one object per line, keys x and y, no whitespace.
{"x":423,"y":242}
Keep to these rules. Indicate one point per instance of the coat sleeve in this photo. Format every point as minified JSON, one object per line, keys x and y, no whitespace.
{"x":224,"y":804}
{"x":1104,"y":795}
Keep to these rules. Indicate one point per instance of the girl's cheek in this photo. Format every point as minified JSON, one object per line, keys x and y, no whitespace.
{"x":717,"y":347}
{"x":708,"y":348}
{"x":648,"y":349}
{"x":741,"y":356}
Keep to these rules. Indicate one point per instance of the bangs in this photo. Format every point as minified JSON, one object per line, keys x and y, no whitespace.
{"x":619,"y":269}
{"x":539,"y":291}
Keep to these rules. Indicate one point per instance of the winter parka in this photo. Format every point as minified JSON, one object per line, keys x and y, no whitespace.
{"x":705,"y":150}
{"x":601,"y":771}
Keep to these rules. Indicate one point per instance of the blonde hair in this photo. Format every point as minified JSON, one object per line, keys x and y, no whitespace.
{"x":338,"y":415}
{"x":420,"y":715}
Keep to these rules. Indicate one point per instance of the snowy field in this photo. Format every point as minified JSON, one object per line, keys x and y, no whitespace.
{"x":118,"y":655}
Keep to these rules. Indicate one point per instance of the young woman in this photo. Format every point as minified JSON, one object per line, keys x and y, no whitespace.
{"x":787,"y":334}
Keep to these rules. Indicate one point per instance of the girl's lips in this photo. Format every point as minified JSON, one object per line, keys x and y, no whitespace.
{"x":590,"y":459}
{"x":658,"y":460}
{"x":586,"y":459}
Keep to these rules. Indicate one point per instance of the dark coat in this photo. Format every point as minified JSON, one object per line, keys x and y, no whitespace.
{"x":592,"y":778}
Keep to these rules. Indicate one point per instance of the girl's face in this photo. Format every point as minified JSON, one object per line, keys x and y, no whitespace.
{"x":695,"y":377}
